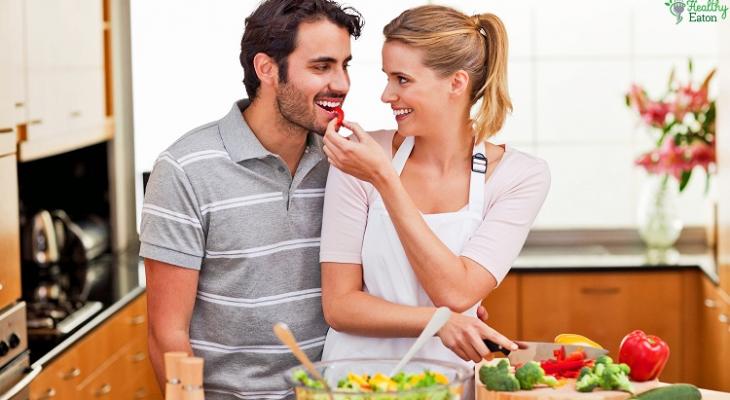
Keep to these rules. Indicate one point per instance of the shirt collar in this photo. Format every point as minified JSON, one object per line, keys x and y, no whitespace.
{"x":241,"y":143}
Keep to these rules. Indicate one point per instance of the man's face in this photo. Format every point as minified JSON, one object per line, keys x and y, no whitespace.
{"x":317,"y":76}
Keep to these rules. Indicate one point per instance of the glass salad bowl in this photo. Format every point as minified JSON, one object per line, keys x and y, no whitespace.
{"x":366,"y":379}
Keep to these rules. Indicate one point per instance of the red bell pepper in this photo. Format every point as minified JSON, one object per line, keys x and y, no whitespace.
{"x":646,"y":355}
{"x":340,"y":116}
{"x":565,"y":366}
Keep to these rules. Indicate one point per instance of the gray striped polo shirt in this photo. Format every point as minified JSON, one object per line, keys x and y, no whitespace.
{"x":217,"y":201}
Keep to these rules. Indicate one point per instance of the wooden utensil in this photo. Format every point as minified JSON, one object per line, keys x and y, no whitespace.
{"x":282,"y":331}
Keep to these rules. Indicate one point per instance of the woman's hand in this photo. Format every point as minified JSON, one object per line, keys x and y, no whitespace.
{"x":465,"y":336}
{"x":362,"y":158}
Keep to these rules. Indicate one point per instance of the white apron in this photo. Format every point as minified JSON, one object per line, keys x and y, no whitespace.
{"x":388,"y":274}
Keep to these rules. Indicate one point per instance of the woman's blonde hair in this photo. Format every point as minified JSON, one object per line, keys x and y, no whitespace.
{"x":450,"y":41}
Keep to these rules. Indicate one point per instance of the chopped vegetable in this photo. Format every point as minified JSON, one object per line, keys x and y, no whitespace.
{"x":606,"y":375}
{"x":379,"y":383}
{"x":532,"y":374}
{"x":566,"y":366}
{"x":645,"y":354}
{"x":499,"y":378}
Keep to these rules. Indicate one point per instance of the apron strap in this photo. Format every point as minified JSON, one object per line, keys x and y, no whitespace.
{"x":401,"y":156}
{"x":476,"y":183}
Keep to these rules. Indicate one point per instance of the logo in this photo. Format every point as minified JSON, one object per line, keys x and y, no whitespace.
{"x":698,"y":12}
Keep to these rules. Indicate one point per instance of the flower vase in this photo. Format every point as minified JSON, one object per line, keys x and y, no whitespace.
{"x":658,"y":214}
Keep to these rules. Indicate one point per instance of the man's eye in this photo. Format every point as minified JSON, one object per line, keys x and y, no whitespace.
{"x":346,"y":66}
{"x":323,"y":67}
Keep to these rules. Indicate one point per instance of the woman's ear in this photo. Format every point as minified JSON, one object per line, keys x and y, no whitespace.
{"x":266,"y":69}
{"x":459,"y":82}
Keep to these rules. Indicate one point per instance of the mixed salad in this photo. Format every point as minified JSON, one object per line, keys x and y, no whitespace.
{"x":427,"y":385}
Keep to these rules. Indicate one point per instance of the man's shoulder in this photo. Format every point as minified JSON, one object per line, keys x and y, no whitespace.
{"x":204,"y":139}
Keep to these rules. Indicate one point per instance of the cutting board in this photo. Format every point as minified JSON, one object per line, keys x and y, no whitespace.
{"x":565,"y":392}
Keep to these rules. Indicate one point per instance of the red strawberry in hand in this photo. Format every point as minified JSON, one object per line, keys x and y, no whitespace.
{"x":340,"y":117}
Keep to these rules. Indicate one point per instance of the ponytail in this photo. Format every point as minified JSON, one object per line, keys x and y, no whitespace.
{"x":492,"y":88}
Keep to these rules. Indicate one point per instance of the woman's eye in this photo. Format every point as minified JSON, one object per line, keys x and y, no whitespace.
{"x":402,"y":80}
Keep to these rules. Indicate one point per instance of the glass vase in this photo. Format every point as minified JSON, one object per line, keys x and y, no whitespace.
{"x":658,"y":213}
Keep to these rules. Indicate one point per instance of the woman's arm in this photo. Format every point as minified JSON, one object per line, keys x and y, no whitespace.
{"x":455,"y":281}
{"x":347,"y":308}
{"x":449,"y":280}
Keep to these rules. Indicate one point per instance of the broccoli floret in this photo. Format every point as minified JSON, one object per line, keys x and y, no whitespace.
{"x":584,"y":371}
{"x":498,"y":378}
{"x":532,"y":374}
{"x":587,"y":382}
{"x":604,"y":360}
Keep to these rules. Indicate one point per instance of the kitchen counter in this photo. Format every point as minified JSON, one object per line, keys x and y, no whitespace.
{"x":117,"y":281}
{"x":616,"y":257}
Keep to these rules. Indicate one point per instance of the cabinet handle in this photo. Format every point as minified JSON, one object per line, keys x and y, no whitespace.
{"x":6,"y":130}
{"x":137,"y":320}
{"x":19,"y":104}
{"x":35,"y":122}
{"x":72,"y":373}
{"x":600,"y":290}
{"x":1,"y":286}
{"x":723,"y":318}
{"x":75,"y":114}
{"x":49,"y":394}
{"x":709,"y":303}
{"x":138,"y":357}
{"x":140,"y":393}
{"x":103,"y":390}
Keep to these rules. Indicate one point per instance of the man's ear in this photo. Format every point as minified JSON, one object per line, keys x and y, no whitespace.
{"x":266,"y":69}
{"x":459,"y":82}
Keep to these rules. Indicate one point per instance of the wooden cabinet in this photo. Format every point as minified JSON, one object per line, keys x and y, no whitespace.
{"x":715,"y":331}
{"x":12,"y":94}
{"x":604,"y":306}
{"x":503,"y":307}
{"x":110,"y":362}
{"x":9,"y":232}
{"x":65,"y":73}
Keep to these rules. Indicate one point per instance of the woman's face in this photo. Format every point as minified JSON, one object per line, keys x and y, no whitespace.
{"x":419,"y":98}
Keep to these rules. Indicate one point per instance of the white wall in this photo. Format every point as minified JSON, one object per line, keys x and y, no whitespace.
{"x":570,"y":63}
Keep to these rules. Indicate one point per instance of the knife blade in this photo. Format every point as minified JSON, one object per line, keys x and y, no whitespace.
{"x":540,"y":351}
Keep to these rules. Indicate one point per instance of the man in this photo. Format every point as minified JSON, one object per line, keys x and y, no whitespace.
{"x":232,"y":214}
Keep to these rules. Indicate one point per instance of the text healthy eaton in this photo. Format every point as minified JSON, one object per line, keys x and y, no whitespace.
{"x":698,"y":12}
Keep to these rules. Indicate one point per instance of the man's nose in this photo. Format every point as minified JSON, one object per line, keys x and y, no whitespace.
{"x":341,"y":82}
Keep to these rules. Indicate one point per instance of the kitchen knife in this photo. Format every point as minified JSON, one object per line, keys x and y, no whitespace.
{"x":540,"y":351}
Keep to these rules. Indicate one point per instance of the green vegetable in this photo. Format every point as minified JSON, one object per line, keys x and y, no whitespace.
{"x":680,"y":391}
{"x":605,"y":374}
{"x":498,"y":378}
{"x":532,"y":374}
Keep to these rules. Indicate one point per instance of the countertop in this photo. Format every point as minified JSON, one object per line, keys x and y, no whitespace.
{"x":616,"y":257}
{"x":117,"y":281}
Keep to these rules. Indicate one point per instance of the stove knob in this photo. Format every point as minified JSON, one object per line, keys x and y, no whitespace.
{"x":13,"y":341}
{"x":4,"y":349}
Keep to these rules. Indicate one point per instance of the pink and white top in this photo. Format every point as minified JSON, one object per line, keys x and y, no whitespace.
{"x":513,"y":195}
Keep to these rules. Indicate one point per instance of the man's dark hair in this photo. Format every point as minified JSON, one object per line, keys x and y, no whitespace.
{"x":272,"y":29}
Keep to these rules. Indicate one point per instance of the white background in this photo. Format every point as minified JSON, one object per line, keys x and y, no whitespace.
{"x":571,"y":62}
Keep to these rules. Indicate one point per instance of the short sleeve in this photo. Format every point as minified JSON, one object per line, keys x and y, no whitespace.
{"x":499,"y":239}
{"x":171,"y":230}
{"x":344,"y":219}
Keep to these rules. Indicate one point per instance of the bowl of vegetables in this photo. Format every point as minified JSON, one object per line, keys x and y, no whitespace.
{"x":368,"y":379}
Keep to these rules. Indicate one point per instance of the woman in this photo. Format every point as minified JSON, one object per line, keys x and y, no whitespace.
{"x":431,"y":215}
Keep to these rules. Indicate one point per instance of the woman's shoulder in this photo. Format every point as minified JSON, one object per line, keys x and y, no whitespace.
{"x":524,"y":166}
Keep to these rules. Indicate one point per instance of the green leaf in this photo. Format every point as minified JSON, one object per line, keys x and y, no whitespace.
{"x":707,"y":182}
{"x":689,"y":66}
{"x":684,"y":180}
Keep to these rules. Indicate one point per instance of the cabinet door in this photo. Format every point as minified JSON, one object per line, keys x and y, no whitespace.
{"x":715,"y":331}
{"x":11,"y":63}
{"x":65,"y":77}
{"x":9,"y":232}
{"x":605,"y":306}
{"x":502,"y":306}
